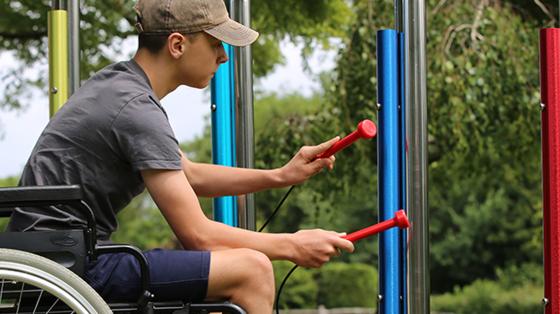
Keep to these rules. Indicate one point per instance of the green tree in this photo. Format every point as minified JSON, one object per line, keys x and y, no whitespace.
{"x":484,"y":141}
{"x":483,"y":96}
{"x":483,"y":138}
{"x":483,"y":128}
{"x":485,"y":198}
{"x":106,"y":24}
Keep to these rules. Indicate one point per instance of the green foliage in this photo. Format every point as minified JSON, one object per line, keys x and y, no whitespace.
{"x":9,"y":181}
{"x":342,"y":200}
{"x":484,"y":141}
{"x":333,"y":285}
{"x":484,"y":169}
{"x":142,"y":225}
{"x":346,"y":285}
{"x":485,"y":296}
{"x":106,"y":24}
{"x":484,"y":195}
{"x":310,"y":22}
{"x":23,"y":31}
{"x":517,"y":276}
{"x":300,"y":291}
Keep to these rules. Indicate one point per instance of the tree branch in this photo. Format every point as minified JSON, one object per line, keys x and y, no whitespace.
{"x":23,"y":35}
{"x":438,"y":7}
{"x":475,"y":35}
{"x":545,"y":10}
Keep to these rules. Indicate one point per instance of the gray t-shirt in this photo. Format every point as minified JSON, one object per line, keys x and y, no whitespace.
{"x":109,"y":130}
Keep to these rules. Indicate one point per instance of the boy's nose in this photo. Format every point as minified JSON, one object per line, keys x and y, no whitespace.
{"x":223,"y":57}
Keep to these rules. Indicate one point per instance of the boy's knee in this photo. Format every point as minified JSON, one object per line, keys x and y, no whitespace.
{"x":258,"y":264}
{"x":258,"y":276}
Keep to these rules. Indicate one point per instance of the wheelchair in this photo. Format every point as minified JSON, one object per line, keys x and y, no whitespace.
{"x":40,"y":271}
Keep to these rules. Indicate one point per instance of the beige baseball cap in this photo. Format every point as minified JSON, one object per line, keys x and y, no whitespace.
{"x":189,"y":16}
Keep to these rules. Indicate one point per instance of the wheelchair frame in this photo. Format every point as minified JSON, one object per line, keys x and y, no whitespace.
{"x":72,"y":248}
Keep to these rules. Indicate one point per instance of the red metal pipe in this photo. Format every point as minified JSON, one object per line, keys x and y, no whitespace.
{"x":550,"y":99}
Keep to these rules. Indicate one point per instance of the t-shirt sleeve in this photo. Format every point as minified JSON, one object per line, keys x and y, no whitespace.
{"x":145,"y":137}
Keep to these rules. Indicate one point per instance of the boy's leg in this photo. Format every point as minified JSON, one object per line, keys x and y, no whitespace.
{"x":243,"y":276}
{"x":174,"y":275}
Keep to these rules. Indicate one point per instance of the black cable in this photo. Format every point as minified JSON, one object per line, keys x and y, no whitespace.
{"x":277,"y":208}
{"x":268,"y":220}
{"x":277,"y":305}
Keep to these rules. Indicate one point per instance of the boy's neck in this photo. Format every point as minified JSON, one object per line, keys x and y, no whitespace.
{"x":159,"y":72}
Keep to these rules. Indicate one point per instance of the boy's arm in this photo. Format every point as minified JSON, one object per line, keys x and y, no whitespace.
{"x":177,"y":201}
{"x":213,"y":180}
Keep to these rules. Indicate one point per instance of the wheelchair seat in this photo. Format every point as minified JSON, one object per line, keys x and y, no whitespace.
{"x":73,"y":248}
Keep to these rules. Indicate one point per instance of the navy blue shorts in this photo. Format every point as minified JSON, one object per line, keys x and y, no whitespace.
{"x":174,"y":275}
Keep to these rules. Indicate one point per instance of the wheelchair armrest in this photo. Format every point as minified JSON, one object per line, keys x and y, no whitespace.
{"x":40,"y":195}
{"x":145,"y":294}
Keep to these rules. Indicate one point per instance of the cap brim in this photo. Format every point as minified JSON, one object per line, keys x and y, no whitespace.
{"x":233,"y":33}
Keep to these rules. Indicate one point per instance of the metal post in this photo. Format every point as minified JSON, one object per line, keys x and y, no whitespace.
{"x":244,"y":113}
{"x":223,"y":133}
{"x":74,"y":41}
{"x":223,"y":130}
{"x":403,"y":233}
{"x":388,"y":168}
{"x":399,"y":15}
{"x":550,"y":117}
{"x":58,"y":55}
{"x":417,"y":158}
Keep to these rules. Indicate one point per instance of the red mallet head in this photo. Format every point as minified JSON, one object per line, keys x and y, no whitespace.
{"x":367,"y":129}
{"x":401,"y":219}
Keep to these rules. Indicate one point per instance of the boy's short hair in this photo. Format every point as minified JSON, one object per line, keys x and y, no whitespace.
{"x":163,"y":17}
{"x":152,"y":42}
{"x":155,"y":42}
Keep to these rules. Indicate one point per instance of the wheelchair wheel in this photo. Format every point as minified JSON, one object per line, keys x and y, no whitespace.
{"x":33,"y":284}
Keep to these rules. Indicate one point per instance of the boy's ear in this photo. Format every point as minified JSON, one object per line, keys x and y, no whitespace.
{"x":176,"y":45}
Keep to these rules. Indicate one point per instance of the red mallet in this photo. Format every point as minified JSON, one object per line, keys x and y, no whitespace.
{"x":366,"y":129}
{"x":400,"y":220}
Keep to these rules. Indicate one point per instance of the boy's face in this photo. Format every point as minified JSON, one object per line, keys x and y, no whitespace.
{"x":203,"y":55}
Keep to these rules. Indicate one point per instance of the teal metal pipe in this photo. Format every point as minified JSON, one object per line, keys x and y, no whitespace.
{"x":223,"y":132}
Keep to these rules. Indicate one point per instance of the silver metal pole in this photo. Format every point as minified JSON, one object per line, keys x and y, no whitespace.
{"x":399,"y":15}
{"x":241,"y":10}
{"x":59,"y":5}
{"x":74,"y":45}
{"x":417,"y":158}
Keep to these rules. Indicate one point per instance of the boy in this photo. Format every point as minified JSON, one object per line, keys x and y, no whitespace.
{"x":113,"y":138}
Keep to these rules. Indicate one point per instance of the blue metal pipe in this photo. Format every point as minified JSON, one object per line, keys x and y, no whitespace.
{"x":388,"y":166}
{"x":223,"y":132}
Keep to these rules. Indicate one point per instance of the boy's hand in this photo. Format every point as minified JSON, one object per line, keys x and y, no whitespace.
{"x":315,"y":247}
{"x":305,"y":164}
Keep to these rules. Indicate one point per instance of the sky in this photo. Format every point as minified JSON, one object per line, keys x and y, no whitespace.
{"x":186,"y":107}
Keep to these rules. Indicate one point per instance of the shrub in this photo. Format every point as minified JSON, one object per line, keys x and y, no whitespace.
{"x":343,"y":285}
{"x":489,"y":297}
{"x":300,"y":291}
